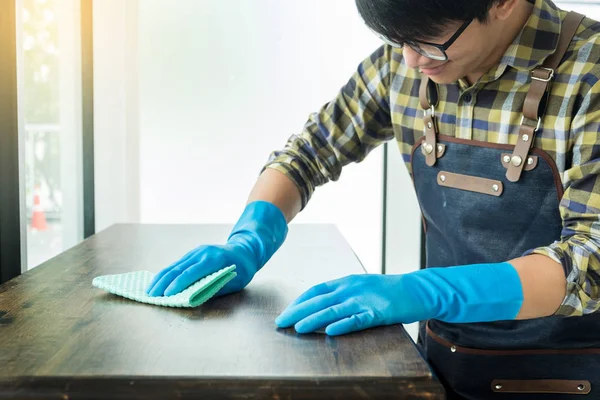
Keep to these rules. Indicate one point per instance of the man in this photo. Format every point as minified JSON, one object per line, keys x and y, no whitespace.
{"x":495,"y":106}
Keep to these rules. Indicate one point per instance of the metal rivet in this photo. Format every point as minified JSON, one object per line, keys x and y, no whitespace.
{"x":530,"y":161}
{"x":526,"y":138}
{"x":516,"y":161}
{"x":453,"y":349}
{"x":506,"y":159}
{"x":440,"y":148}
{"x":428,"y":148}
{"x":496,"y":188}
{"x":429,"y":125}
{"x":581,"y":387}
{"x":498,"y":387}
{"x":443,"y":178}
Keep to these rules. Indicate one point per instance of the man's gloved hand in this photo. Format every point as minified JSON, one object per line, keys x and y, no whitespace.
{"x":472,"y":293}
{"x":257,"y":235}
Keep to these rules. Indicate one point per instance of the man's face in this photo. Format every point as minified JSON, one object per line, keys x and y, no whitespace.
{"x":468,"y":55}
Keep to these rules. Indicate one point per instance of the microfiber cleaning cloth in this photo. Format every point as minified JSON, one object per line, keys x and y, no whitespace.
{"x":133,"y":285}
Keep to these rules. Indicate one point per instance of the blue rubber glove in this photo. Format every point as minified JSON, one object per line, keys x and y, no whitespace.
{"x":471,"y":293}
{"x":257,"y":235}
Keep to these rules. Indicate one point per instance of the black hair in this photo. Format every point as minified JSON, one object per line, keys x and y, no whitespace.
{"x":420,"y":20}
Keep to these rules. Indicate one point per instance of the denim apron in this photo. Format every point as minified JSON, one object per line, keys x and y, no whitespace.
{"x":485,"y":203}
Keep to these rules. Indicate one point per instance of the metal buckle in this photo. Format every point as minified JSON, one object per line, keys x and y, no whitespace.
{"x":539,"y":123}
{"x":544,"y":80}
{"x":432,"y":111}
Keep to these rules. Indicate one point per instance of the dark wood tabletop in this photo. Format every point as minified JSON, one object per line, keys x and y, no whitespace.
{"x":61,"y":338}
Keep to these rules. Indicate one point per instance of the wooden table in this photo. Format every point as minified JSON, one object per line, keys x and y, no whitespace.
{"x":61,"y":338}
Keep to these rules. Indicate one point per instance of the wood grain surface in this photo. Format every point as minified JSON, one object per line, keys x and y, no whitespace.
{"x":61,"y":338}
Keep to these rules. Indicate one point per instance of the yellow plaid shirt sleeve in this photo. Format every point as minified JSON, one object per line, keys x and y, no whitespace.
{"x":343,"y":131}
{"x":579,"y":248}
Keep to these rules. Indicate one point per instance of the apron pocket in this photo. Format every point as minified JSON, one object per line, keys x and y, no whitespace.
{"x":476,"y":374}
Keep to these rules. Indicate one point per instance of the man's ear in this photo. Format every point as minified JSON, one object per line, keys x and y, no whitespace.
{"x":502,"y":9}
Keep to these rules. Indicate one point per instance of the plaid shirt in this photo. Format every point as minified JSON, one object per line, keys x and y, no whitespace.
{"x":380,"y":103}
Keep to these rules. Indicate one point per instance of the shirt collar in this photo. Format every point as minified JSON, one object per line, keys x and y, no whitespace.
{"x":537,"y":40}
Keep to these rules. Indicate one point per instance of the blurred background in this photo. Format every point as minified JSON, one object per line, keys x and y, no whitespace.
{"x":190,"y":97}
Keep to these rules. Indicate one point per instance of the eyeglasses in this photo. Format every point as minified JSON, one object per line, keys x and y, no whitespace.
{"x":427,"y":49}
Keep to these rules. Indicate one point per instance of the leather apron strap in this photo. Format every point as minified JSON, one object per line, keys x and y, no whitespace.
{"x":533,"y":108}
{"x":537,"y":97}
{"x":428,"y":96}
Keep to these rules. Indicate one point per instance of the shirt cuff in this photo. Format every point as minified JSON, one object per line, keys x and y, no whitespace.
{"x":577,"y":301}
{"x":304,"y":186}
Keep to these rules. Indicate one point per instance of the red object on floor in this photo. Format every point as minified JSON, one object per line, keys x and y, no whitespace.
{"x":38,"y":219}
